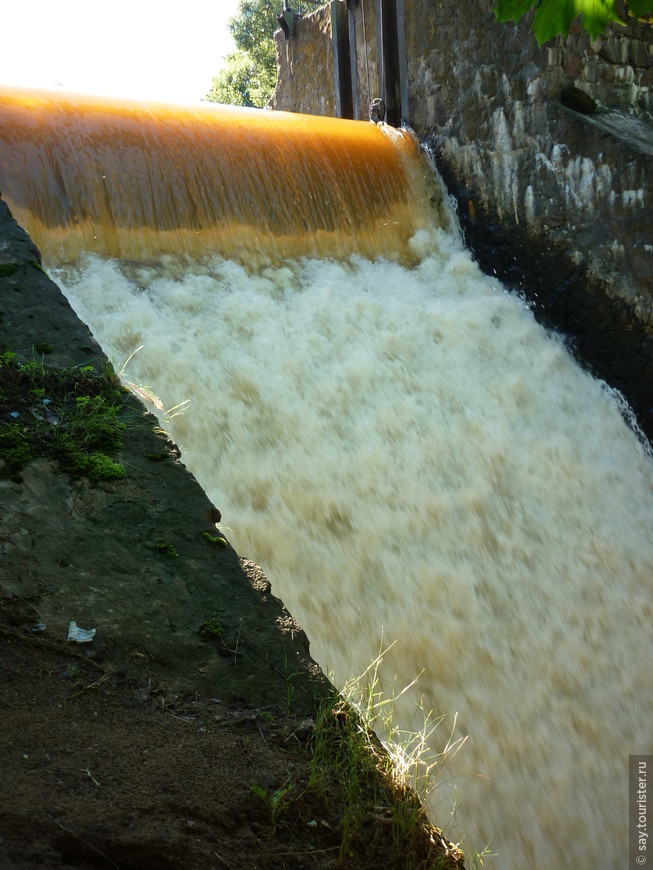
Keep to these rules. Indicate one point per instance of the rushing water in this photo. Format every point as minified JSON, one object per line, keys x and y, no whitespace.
{"x":408,"y":455}
{"x":131,"y":179}
{"x":411,"y":457}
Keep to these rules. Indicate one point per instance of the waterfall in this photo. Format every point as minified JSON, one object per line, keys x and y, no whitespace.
{"x":138,"y":180}
{"x":398,"y":443}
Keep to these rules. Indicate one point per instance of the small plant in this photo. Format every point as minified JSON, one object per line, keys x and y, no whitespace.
{"x":391,"y":775}
{"x":146,"y":393}
{"x":73,"y":672}
{"x":211,"y":629}
{"x":275,"y":801}
{"x":218,"y":540}
{"x":95,"y":466}
{"x":165,"y":548}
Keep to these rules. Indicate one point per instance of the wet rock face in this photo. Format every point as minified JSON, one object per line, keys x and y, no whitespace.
{"x":552,"y":198}
{"x":492,"y":104}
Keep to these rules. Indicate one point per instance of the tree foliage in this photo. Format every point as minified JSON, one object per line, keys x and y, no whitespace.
{"x":249,"y":74}
{"x":241,"y":82}
{"x":253,"y":29}
{"x":553,"y":17}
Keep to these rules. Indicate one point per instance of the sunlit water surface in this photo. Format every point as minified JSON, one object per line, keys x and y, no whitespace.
{"x":410,"y":456}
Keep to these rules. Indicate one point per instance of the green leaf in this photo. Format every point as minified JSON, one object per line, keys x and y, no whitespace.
{"x":640,"y":8}
{"x":259,"y":792}
{"x":553,"y":17}
{"x":597,"y":15}
{"x":512,"y":10}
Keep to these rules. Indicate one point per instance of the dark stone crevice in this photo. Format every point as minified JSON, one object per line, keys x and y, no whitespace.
{"x":601,"y":332}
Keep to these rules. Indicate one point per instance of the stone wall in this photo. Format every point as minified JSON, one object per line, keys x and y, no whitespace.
{"x":552,"y":188}
{"x":305,"y":67}
{"x":491,"y":106}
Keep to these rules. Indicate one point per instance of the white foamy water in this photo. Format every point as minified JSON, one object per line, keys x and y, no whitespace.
{"x":407,"y":453}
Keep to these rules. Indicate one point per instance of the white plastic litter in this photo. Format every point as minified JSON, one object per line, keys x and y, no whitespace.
{"x":80,"y":635}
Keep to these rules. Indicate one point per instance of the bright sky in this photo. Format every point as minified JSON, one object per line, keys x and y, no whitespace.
{"x":162,"y":49}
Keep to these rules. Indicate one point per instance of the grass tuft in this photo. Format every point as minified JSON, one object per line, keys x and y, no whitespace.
{"x":381,"y":779}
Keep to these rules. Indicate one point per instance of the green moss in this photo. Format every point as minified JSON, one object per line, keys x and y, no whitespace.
{"x":165,"y":548}
{"x":70,"y":415}
{"x":8,"y":269}
{"x":44,"y":348}
{"x":210,"y":629}
{"x":78,"y":462}
{"x":15,"y":452}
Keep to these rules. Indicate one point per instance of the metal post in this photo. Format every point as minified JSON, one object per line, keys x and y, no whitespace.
{"x":353,"y":61}
{"x":403,"y":63}
{"x":379,"y":48}
{"x":336,"y":56}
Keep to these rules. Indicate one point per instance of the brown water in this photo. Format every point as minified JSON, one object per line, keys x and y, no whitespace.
{"x":134,"y":180}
